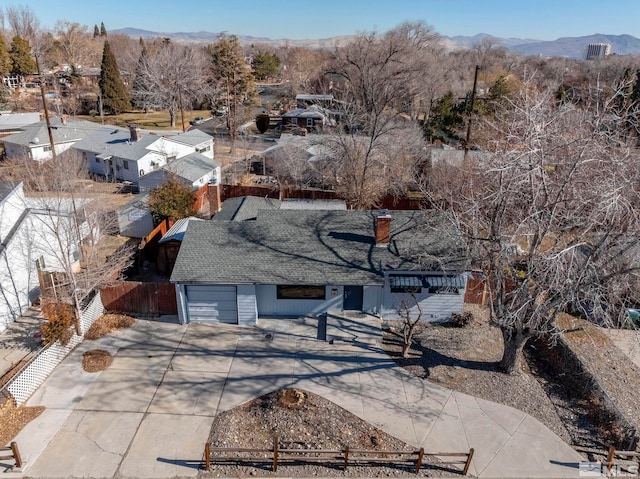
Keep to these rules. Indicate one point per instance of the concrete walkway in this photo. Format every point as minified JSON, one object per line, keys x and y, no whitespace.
{"x":149,"y":414}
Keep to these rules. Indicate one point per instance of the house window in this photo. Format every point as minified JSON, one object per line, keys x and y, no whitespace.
{"x":300,"y":292}
{"x":203,"y":149}
{"x":125,"y":164}
{"x":310,"y":122}
{"x":97,"y":160}
{"x":46,"y":148}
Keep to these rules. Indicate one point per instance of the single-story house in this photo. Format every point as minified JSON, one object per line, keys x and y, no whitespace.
{"x":33,"y":142}
{"x":302,"y":262}
{"x":15,"y":122}
{"x":313,"y":118}
{"x":129,"y":154}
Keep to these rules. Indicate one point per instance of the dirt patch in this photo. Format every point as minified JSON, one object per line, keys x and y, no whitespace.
{"x":96,"y":360}
{"x":15,"y":418}
{"x":465,"y":359}
{"x":303,"y":420}
{"x":108,"y":323}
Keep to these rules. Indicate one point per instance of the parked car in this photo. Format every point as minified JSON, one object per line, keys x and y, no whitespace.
{"x":197,"y":120}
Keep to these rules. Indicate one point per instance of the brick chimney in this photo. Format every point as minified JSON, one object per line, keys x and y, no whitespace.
{"x":383,"y":228}
{"x":215,"y":203}
{"x":135,"y":133}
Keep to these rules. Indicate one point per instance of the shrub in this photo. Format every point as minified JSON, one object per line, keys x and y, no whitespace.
{"x":61,"y":318}
{"x":461,"y":320}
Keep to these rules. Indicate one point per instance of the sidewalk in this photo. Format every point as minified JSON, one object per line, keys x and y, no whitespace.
{"x":150,"y":413}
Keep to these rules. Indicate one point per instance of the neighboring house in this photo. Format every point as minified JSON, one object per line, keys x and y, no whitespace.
{"x":314,"y":118}
{"x":193,"y":170}
{"x":134,"y":218}
{"x":128,"y":154}
{"x":33,"y":142}
{"x":33,"y":230}
{"x":169,"y":245}
{"x":15,"y":122}
{"x":292,"y":262}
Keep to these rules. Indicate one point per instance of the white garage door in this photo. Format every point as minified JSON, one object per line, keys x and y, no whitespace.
{"x":212,"y":303}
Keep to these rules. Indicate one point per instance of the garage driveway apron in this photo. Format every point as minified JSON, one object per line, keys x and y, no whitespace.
{"x":150,"y":413}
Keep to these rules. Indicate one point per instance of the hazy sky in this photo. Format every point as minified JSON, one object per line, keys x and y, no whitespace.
{"x":539,"y":19}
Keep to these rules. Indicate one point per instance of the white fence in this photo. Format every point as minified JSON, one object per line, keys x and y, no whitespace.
{"x":33,"y":375}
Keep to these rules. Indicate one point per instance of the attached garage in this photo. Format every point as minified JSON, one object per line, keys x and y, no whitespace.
{"x":214,"y":303}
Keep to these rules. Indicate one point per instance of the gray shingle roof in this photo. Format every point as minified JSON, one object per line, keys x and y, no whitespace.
{"x":192,"y":138}
{"x":6,"y":187}
{"x":313,"y":247}
{"x":117,"y":142}
{"x":192,"y":167}
{"x":245,"y":208}
{"x":37,"y":133}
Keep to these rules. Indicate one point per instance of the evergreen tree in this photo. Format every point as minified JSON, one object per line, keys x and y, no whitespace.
{"x":5,"y":59}
{"x":115,"y":97}
{"x":172,"y":200}
{"x":22,"y":63}
{"x":445,"y":119}
{"x":265,"y":65}
{"x":231,"y":74}
{"x":96,"y":31}
{"x":103,"y":30}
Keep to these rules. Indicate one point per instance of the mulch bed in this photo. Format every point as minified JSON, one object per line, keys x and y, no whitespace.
{"x":108,"y":323}
{"x":96,"y":360}
{"x":15,"y":418}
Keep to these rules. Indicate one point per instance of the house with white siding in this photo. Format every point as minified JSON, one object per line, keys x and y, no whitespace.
{"x":42,"y":230}
{"x":33,"y":141}
{"x":307,"y":262}
{"x":129,"y":154}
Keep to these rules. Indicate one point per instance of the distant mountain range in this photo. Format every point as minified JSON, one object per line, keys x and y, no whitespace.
{"x":571,"y":47}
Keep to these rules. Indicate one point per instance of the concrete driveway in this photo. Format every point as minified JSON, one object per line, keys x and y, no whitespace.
{"x":149,"y":414}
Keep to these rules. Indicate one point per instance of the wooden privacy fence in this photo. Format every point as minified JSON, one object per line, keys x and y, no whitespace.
{"x":14,"y":456}
{"x":140,"y":298}
{"x":342,"y":457}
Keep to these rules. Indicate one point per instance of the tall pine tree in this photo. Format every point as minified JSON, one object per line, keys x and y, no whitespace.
{"x":103,"y":31}
{"x":115,"y":96}
{"x":22,"y":63}
{"x":96,"y":31}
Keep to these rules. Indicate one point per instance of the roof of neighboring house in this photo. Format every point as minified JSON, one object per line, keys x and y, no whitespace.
{"x":245,"y":208}
{"x":315,"y":247}
{"x":304,"y":113}
{"x":6,"y":187}
{"x":192,"y":167}
{"x":309,"y":97}
{"x":116,"y":141}
{"x":193,"y":137}
{"x":141,"y":201}
{"x":37,"y":133}
{"x":17,"y":121}
{"x":308,"y":204}
{"x":177,"y":231}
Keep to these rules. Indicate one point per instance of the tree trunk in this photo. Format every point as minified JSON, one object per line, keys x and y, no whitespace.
{"x":514,"y":341}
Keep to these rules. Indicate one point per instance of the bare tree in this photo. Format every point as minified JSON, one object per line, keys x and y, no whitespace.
{"x":71,"y":231}
{"x":551,"y":216}
{"x":169,"y":78}
{"x":409,"y":322}
{"x":75,"y":46}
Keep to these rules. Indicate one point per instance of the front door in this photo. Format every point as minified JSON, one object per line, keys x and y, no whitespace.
{"x":352,"y":298}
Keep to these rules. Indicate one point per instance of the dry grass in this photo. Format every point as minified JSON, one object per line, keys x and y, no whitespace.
{"x":96,"y":360}
{"x":154,"y":120}
{"x":15,"y":418}
{"x":108,"y":323}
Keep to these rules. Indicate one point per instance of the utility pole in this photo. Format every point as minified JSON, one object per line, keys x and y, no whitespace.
{"x":46,"y":111}
{"x":181,"y":109}
{"x":470,"y":112}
